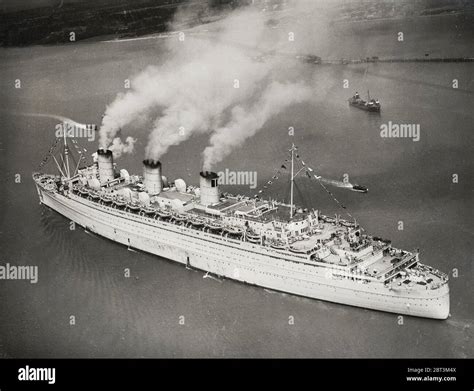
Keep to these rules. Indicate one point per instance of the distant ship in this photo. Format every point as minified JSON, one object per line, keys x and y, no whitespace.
{"x":368,"y":105}
{"x":260,"y":242}
{"x":359,"y":188}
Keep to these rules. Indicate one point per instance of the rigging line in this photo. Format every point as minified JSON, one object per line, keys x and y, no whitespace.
{"x":301,"y":194}
{"x":47,"y":157}
{"x":309,"y":169}
{"x":75,"y":163}
{"x":274,"y":178}
{"x":336,"y":200}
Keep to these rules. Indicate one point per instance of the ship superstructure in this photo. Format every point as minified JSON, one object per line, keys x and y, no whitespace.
{"x":260,"y":242}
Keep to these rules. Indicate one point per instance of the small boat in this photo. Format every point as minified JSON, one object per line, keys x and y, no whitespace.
{"x":253,"y":237}
{"x":198,"y":223}
{"x":94,"y":195}
{"x":278,"y":245}
{"x":214,"y":225}
{"x":234,"y":230}
{"x":359,"y":188}
{"x":106,"y":198}
{"x":133,"y":207}
{"x":164,"y":214}
{"x":148,"y":210}
{"x":120,"y":202}
{"x":300,"y":250}
{"x":178,"y":218}
{"x":83,"y":191}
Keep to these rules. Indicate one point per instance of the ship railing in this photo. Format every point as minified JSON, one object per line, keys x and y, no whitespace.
{"x":405,"y":262}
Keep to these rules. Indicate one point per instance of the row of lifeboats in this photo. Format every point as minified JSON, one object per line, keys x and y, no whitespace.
{"x":331,"y":220}
{"x":213,"y":226}
{"x":207,"y":225}
{"x":47,"y":182}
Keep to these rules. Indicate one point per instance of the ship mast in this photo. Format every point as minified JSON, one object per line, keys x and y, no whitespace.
{"x":66,"y":155}
{"x":292,"y":179}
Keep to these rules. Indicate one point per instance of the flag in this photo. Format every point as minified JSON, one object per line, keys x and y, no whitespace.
{"x":283,"y":166}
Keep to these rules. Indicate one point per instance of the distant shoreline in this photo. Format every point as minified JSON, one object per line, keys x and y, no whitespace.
{"x":111,"y":38}
{"x":404,"y":18}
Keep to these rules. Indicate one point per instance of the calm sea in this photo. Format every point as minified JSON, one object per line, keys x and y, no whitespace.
{"x":83,"y":275}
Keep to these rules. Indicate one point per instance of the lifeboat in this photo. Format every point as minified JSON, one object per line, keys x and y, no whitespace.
{"x":84,"y":191}
{"x":299,"y":250}
{"x":198,"y":223}
{"x":214,"y":225}
{"x":163,"y":214}
{"x":133,"y":207}
{"x":237,"y":231}
{"x":120,"y":202}
{"x":178,"y":218}
{"x":278,"y":245}
{"x":347,"y":224}
{"x":148,"y":210}
{"x":94,"y":195}
{"x":107,"y":199}
{"x":253,"y":237}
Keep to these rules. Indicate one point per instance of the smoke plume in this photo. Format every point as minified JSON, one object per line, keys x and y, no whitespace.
{"x":65,"y":120}
{"x":118,"y":147}
{"x":247,"y":120}
{"x":227,"y":83}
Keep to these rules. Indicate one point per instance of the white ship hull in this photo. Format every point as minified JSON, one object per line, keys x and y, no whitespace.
{"x":242,"y":261}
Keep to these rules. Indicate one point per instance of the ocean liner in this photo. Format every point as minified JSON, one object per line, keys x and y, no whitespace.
{"x":261,"y":242}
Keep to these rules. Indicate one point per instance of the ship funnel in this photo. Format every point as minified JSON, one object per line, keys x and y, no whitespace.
{"x":152,"y":176}
{"x":209,"y":190}
{"x":105,"y":162}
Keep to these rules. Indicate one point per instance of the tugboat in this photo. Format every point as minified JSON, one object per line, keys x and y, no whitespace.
{"x":359,"y":188}
{"x":368,"y":105}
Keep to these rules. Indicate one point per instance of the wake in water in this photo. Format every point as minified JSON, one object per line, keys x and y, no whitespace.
{"x":332,"y":182}
{"x":340,"y":184}
{"x":208,"y":275}
{"x":52,"y":116}
{"x":463,"y":324}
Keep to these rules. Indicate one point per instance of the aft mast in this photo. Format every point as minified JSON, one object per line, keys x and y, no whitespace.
{"x":292,"y":178}
{"x":62,"y":161}
{"x":66,"y":156}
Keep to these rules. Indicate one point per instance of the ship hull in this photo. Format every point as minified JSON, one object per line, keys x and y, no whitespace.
{"x":238,"y":260}
{"x":365,"y":108}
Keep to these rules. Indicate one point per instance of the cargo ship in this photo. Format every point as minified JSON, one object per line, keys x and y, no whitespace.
{"x":372,"y":105}
{"x":266,"y":243}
